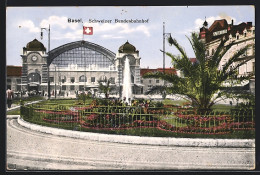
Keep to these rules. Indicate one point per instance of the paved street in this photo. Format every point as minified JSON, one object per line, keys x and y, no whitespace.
{"x":30,"y":150}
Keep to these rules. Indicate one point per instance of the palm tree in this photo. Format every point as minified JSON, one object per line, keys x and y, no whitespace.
{"x":202,"y":83}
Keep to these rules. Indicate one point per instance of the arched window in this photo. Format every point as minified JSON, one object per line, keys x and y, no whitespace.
{"x":63,"y":79}
{"x":34,"y":77}
{"x":82,"y":78}
{"x":212,"y":52}
{"x":103,"y":78}
{"x":237,"y":36}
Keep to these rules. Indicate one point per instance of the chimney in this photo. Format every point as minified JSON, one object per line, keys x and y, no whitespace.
{"x":232,"y":22}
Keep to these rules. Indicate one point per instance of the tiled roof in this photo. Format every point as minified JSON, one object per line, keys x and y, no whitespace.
{"x":167,"y":70}
{"x":14,"y":71}
{"x":222,"y":24}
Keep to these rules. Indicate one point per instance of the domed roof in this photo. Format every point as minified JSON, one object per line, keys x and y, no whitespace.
{"x":127,"y":48}
{"x":35,"y":45}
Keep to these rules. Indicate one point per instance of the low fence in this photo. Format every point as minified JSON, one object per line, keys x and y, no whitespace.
{"x":138,"y":118}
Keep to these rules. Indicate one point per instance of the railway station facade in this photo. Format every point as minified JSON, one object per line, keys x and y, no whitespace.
{"x":77,"y":66}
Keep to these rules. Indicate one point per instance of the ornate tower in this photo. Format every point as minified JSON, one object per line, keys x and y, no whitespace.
{"x":128,"y":50}
{"x":34,"y":70}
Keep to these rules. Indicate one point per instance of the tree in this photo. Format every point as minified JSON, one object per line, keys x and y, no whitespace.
{"x":105,"y":86}
{"x":202,"y":83}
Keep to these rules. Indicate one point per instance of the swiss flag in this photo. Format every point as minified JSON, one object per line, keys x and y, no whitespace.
{"x":87,"y":30}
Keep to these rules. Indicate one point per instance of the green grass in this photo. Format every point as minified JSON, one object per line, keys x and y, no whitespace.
{"x":173,"y":102}
{"x":13,"y":112}
{"x":28,"y":99}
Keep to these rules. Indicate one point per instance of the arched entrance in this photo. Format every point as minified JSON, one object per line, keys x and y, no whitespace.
{"x":34,"y":81}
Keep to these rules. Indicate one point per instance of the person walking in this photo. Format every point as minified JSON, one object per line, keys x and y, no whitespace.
{"x":9,"y":96}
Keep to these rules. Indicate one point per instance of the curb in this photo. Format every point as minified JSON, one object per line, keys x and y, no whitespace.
{"x":167,"y":141}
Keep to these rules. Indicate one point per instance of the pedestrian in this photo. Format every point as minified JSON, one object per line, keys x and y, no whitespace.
{"x":9,"y":96}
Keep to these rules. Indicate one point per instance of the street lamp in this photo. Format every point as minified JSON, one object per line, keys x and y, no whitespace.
{"x":49,"y":31}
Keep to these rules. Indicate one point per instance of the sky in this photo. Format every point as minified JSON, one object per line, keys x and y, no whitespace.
{"x":23,"y":24}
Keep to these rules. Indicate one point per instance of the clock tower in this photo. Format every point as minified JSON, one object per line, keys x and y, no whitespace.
{"x":34,"y":69}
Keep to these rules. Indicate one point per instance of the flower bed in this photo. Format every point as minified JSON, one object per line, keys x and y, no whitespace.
{"x":180,"y":120}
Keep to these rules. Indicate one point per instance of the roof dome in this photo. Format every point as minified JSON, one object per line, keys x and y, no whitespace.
{"x":127,"y":48}
{"x":35,"y":45}
{"x":205,"y":23}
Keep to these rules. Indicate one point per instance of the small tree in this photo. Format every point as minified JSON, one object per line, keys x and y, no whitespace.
{"x":105,"y":86}
{"x":202,"y":83}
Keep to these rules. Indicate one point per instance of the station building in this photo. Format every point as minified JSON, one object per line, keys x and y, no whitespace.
{"x":239,"y":35}
{"x":77,"y":66}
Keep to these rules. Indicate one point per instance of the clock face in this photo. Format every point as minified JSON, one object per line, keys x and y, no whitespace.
{"x":34,"y":58}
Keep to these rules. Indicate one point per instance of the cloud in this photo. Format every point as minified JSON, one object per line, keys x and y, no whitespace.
{"x":28,"y":24}
{"x":112,"y":37}
{"x":61,"y":22}
{"x":198,"y":23}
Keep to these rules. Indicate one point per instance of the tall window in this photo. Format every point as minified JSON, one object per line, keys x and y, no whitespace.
{"x":63,"y":87}
{"x":81,"y":87}
{"x":18,"y":87}
{"x":72,"y":79}
{"x":63,"y":79}
{"x":93,"y":79}
{"x":18,"y":80}
{"x":112,"y":80}
{"x":212,"y":52}
{"x":157,"y":81}
{"x":9,"y":80}
{"x":72,"y":87}
{"x":51,"y":79}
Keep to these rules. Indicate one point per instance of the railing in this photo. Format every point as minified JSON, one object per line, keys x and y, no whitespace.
{"x":137,"y":120}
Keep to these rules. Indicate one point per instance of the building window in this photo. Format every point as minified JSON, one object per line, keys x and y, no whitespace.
{"x":18,"y":87}
{"x":212,"y":52}
{"x":244,"y":34}
{"x":150,"y":81}
{"x":63,"y":87}
{"x":142,"y":81}
{"x":81,"y":87}
{"x":112,"y":80}
{"x":237,"y":37}
{"x":92,"y":79}
{"x":157,"y":81}
{"x":72,"y":79}
{"x":8,"y":86}
{"x":9,"y":80}
{"x":82,"y":78}
{"x":51,"y":79}
{"x":63,"y":80}
{"x":18,"y":80}
{"x":103,"y":78}
{"x":72,"y":87}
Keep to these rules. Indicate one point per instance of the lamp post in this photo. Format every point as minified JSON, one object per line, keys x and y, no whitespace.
{"x":164,"y":36}
{"x":49,"y":31}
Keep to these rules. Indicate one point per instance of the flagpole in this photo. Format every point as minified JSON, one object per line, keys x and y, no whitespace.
{"x":82,"y":31}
